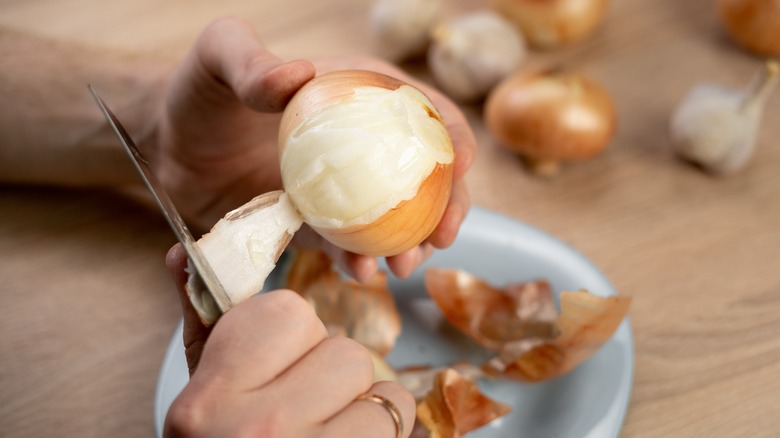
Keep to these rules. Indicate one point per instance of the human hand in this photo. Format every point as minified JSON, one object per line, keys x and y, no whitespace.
{"x":268,"y":368}
{"x":216,"y":142}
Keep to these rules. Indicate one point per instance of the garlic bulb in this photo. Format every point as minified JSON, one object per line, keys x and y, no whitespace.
{"x":755,"y":24}
{"x":552,"y":23}
{"x":401,"y":28}
{"x":474,"y":52}
{"x":717,"y":127}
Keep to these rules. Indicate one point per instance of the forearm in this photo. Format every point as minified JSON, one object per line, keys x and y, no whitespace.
{"x":51,"y":130}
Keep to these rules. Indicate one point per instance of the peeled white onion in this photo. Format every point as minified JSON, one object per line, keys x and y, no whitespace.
{"x":367,"y":161}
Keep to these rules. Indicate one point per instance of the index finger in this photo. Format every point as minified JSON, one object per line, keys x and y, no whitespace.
{"x":259,"y":339}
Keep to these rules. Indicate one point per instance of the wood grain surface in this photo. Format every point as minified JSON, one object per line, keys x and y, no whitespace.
{"x":88,"y":307}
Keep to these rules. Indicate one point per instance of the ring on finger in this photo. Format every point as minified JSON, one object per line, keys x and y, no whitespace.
{"x":391,"y":409}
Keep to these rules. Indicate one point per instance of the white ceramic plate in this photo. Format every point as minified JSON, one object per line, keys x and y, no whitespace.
{"x":591,"y":401}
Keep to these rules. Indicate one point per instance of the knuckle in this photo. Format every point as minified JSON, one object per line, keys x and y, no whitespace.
{"x":351,"y":352}
{"x":290,"y":304}
{"x":272,"y":424}
{"x":186,"y":417}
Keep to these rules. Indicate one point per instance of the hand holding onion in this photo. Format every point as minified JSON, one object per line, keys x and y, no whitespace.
{"x":217,"y":137}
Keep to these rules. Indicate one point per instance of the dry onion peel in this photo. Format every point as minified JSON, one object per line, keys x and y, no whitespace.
{"x":306,"y":267}
{"x":449,"y":401}
{"x":586,"y":322}
{"x":717,"y":127}
{"x":455,"y":406}
{"x":493,"y":317}
{"x":367,"y":161}
{"x":754,"y":24}
{"x":533,"y":341}
{"x":365,"y":312}
{"x":419,"y":380}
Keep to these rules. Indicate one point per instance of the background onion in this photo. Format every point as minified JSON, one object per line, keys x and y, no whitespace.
{"x":551,"y":116}
{"x":755,"y":24}
{"x":552,"y":23}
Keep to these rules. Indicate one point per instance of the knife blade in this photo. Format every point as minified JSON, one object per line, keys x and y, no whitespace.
{"x":214,"y":289}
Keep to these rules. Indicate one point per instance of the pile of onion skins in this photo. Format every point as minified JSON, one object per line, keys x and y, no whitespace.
{"x":532,"y":341}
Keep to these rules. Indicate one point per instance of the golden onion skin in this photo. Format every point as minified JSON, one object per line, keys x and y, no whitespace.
{"x":552,"y":116}
{"x":754,"y":24}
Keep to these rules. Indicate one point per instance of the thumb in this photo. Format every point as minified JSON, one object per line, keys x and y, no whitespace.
{"x":230,"y":51}
{"x":195,"y":333}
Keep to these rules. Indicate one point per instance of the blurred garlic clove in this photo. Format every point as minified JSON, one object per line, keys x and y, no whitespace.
{"x":383,"y":371}
{"x":717,"y":127}
{"x":473,"y":53}
{"x":366,"y":160}
{"x":242,"y":249}
{"x":401,"y":28}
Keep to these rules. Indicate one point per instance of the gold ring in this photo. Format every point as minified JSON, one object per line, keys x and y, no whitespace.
{"x":391,"y":409}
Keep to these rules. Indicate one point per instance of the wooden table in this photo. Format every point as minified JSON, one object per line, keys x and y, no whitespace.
{"x":88,"y":307}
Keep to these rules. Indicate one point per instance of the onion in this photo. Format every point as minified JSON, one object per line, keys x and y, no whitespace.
{"x":551,"y":116}
{"x":755,"y":24}
{"x":493,"y":317}
{"x":367,"y":161}
{"x":586,"y":322}
{"x":552,"y":23}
